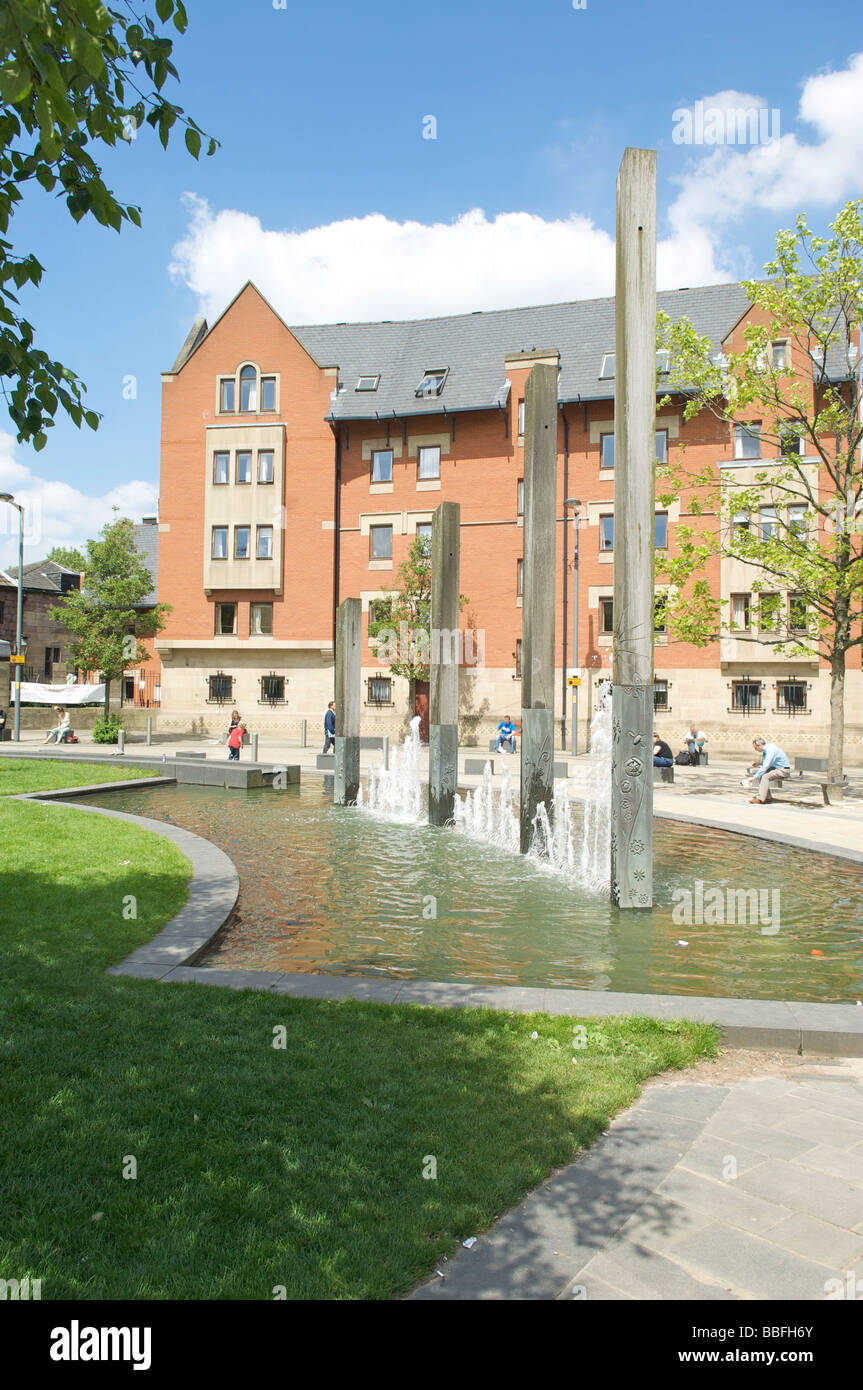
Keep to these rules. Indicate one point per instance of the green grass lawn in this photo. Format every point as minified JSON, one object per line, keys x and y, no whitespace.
{"x":257,"y":1166}
{"x":42,"y":775}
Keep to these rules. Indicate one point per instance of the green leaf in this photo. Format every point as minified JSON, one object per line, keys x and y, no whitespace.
{"x":164,"y":9}
{"x":193,"y":142}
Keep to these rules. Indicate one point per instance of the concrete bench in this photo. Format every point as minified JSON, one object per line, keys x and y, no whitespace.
{"x":326,"y":762}
{"x":476,"y":766}
{"x":801,"y":780}
{"x":493,"y":741}
{"x":190,"y":755}
{"x":560,"y":770}
{"x":372,"y":741}
{"x":663,"y":774}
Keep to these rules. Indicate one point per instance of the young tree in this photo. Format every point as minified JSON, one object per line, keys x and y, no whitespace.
{"x":68,"y":557}
{"x":104,"y":616}
{"x":400,"y":623}
{"x":797,"y":372}
{"x":73,"y":74}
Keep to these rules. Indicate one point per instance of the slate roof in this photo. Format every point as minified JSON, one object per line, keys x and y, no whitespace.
{"x":473,"y":347}
{"x":42,"y":575}
{"x":147,"y":542}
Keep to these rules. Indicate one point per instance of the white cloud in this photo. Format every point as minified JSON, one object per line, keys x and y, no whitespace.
{"x":55,"y":513}
{"x":375,"y":267}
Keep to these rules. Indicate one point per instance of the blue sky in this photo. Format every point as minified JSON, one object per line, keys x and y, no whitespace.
{"x":320,"y":113}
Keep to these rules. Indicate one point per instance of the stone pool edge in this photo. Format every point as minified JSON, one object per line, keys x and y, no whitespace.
{"x":806,"y":1029}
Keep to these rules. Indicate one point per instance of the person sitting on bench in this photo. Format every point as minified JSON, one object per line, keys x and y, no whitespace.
{"x":505,"y":734}
{"x":58,"y":734}
{"x":774,"y":766}
{"x":695,"y":741}
{"x":662,"y":756}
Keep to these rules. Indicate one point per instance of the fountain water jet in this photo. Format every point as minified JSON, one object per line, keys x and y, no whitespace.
{"x":396,"y":792}
{"x":578,"y":848}
{"x":484,"y":814}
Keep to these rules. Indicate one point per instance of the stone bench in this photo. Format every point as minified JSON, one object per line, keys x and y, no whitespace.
{"x":326,"y":762}
{"x":190,"y":755}
{"x":476,"y":766}
{"x":663,"y":774}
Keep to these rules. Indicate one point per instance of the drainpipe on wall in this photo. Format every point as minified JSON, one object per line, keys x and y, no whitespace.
{"x":337,"y":523}
{"x":565,"y":687}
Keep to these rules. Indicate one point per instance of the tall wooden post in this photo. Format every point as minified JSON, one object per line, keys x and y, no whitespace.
{"x":444,"y":662}
{"x":634,"y":454}
{"x":537,"y":645}
{"x":348,"y":677}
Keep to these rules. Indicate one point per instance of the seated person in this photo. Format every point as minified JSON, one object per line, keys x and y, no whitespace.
{"x":505,"y":734}
{"x":773,"y":767}
{"x":695,"y":741}
{"x":661,"y":753}
{"x":58,"y":733}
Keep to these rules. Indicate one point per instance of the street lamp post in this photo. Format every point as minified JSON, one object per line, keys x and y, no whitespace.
{"x":7,"y":497}
{"x":575,"y":503}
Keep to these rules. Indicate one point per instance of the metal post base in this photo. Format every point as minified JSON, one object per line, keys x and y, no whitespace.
{"x":443,"y":772}
{"x":537,"y":768}
{"x":347,"y":771}
{"x":632,"y":797}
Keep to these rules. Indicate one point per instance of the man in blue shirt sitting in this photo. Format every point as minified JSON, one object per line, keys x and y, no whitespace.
{"x":773,"y":767}
{"x":505,"y":734}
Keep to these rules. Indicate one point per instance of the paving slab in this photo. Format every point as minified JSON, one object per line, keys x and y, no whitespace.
{"x":724,"y":1201}
{"x":752,"y":1267}
{"x":829,"y":1129}
{"x":818,"y":1240}
{"x":645,"y":1274}
{"x":837,"y":1163}
{"x":830,"y":1198}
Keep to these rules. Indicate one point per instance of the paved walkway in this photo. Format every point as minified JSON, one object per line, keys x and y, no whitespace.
{"x":743,"y":1180}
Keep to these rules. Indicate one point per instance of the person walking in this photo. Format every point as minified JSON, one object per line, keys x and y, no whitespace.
{"x":774,"y":766}
{"x":330,"y":726}
{"x":235,"y":741}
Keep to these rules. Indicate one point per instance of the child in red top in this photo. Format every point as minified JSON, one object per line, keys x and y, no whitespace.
{"x":235,"y":741}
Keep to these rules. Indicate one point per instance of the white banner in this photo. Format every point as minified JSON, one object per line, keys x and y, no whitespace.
{"x":67,"y":695}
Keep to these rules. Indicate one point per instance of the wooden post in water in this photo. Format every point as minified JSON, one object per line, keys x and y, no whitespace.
{"x":348,"y":677}
{"x":537,"y":644}
{"x":634,"y":454}
{"x":444,"y":663}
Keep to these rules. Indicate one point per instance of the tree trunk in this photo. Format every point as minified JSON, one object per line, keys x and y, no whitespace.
{"x":107,"y":697}
{"x":836,"y":755}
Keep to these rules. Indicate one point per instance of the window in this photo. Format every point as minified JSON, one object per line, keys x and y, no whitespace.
{"x":264,"y":550}
{"x":424,"y":534}
{"x":768,"y":612}
{"x":747,"y":441}
{"x":380,"y":690}
{"x":242,"y":542}
{"x":428,"y":463}
{"x":661,"y":445}
{"x":265,"y":466}
{"x":798,"y":617}
{"x":382,"y":466}
{"x":380,"y":610}
{"x":519,"y":503}
{"x":790,"y":440}
{"x":797,"y":521}
{"x":660,"y":530}
{"x":268,"y":393}
{"x":272,"y":690}
{"x":220,"y":543}
{"x":244,"y":465}
{"x":606,"y":533}
{"x":521,"y":419}
{"x":769,"y":524}
{"x":739,"y":526}
{"x":606,"y":446}
{"x":433,"y":382}
{"x":518,"y":659}
{"x":606,"y":616}
{"x":781,"y":355}
{"x":606,"y":371}
{"x":746,"y":696}
{"x":221,"y":468}
{"x":741,"y":605}
{"x":260,"y":620}
{"x":226,"y":394}
{"x":660,"y":615}
{"x":662,"y":361}
{"x":660,"y":695}
{"x":368,"y":383}
{"x":791,"y":697}
{"x":221,"y":688}
{"x":381,"y":542}
{"x":248,"y":389}
{"x":519,"y":578}
{"x":226,"y":619}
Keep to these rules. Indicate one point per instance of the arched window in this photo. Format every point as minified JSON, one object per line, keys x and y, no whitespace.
{"x":248,"y":389}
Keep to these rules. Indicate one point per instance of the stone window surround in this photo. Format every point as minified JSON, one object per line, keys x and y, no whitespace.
{"x":235,"y":377}
{"x":671,"y":423}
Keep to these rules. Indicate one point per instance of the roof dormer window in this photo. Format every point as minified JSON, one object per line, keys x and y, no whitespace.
{"x":433,"y":382}
{"x":606,"y":372}
{"x":368,"y":383}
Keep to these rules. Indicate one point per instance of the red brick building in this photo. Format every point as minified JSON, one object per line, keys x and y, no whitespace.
{"x":299,"y":464}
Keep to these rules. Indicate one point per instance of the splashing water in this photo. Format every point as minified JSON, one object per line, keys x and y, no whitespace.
{"x":396,"y":792}
{"x":579,"y":848}
{"x":487,"y":815}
